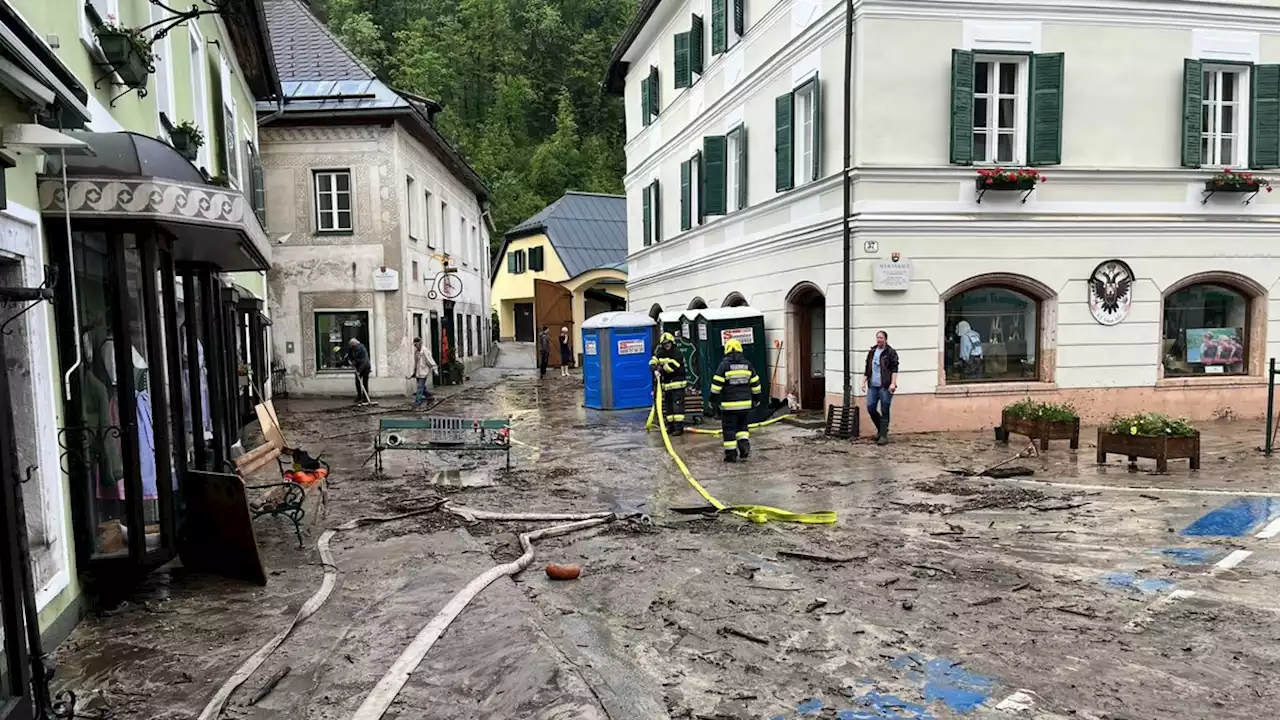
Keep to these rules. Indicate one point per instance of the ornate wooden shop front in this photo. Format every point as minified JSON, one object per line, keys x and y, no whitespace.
{"x":149,"y":338}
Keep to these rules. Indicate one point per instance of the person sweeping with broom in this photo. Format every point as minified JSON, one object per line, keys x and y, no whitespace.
{"x":357,"y":356}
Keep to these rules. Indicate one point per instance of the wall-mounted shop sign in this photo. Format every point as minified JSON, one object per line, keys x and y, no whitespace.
{"x":1110,"y":292}
{"x":386,"y":280}
{"x":891,"y":275}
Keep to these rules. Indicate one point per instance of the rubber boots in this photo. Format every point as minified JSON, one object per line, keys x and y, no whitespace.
{"x":731,"y":456}
{"x":677,"y":428}
{"x":882,"y":437}
{"x":744,"y":449}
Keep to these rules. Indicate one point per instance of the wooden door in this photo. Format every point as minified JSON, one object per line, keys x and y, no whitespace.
{"x":553,"y":308}
{"x":524,"y":322}
{"x":813,"y":378}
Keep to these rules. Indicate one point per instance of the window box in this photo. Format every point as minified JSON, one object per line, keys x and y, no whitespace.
{"x":1229,"y":181}
{"x":187,"y":139}
{"x":128,"y":53}
{"x":1006,"y":179}
{"x":1150,"y":435}
{"x":1016,"y":419}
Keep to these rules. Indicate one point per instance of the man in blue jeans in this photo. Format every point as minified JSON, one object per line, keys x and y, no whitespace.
{"x":880,"y":382}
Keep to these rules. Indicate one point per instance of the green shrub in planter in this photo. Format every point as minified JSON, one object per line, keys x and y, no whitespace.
{"x":1150,"y":425}
{"x":128,"y":52}
{"x":187,"y":139}
{"x":1028,"y":409}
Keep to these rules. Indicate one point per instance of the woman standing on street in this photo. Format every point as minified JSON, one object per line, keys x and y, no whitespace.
{"x":566,"y":352}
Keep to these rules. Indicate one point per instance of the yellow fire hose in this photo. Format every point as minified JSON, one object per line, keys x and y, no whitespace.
{"x":754,"y":513}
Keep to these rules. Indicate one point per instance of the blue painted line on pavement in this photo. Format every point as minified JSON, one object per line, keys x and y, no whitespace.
{"x":811,"y":706}
{"x":1129,"y":581}
{"x":1189,"y":555}
{"x":1236,"y":518}
{"x":940,"y":681}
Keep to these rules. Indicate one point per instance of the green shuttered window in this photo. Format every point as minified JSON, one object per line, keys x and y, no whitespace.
{"x":719,"y":26}
{"x":714,"y":180}
{"x":686,"y":195}
{"x":739,"y":19}
{"x":696,"y":42}
{"x":698,"y":165}
{"x":646,"y":114}
{"x":655,"y":107}
{"x":656,"y":199}
{"x":646,"y":213}
{"x":737,"y":170}
{"x":988,"y":92}
{"x":684,"y":74}
{"x":1264,"y":135}
{"x":784,"y":176}
{"x":1192,"y":107}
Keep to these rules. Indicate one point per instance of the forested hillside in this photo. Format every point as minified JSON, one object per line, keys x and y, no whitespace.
{"x":519,"y":81}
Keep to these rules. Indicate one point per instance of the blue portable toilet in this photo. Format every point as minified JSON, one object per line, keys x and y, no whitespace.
{"x":616,"y":347}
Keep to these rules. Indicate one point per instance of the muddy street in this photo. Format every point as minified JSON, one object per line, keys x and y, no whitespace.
{"x":1078,"y":591}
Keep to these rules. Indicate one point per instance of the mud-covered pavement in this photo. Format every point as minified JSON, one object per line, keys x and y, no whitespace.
{"x":1079,"y":592}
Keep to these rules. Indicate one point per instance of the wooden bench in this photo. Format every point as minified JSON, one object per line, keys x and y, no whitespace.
{"x":279,"y":499}
{"x":442,"y":434}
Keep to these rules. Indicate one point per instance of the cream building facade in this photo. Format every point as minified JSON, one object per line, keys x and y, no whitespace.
{"x":1129,"y":110}
{"x":369,"y":201}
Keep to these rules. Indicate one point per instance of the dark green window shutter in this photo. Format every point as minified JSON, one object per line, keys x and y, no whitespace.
{"x":784,"y":177}
{"x":1264,"y":136}
{"x":961,"y":107}
{"x":646,"y":210}
{"x":1192,"y":99}
{"x":655,"y":107}
{"x":741,"y":133}
{"x":684,"y":77}
{"x":645,"y":112}
{"x":702,"y":172}
{"x":714,"y":149}
{"x":686,"y":195}
{"x":719,"y":27}
{"x":1044,"y":141}
{"x":657,"y":211}
{"x":817,"y":127}
{"x":696,"y":41}
{"x":535,"y":259}
{"x":739,"y":23}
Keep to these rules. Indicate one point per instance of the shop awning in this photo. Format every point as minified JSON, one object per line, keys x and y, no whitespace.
{"x":134,"y":178}
{"x":33,"y":71}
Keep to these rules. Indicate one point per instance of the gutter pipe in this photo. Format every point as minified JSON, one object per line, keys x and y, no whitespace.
{"x":846,"y":233}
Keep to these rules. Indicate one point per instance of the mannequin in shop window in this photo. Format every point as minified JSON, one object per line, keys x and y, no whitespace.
{"x":205,"y":417}
{"x":971,"y":355}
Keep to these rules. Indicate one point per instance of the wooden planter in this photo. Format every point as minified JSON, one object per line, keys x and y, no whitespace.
{"x":1161,"y":448}
{"x":1042,"y":430}
{"x":185,"y":144}
{"x":125,"y":59}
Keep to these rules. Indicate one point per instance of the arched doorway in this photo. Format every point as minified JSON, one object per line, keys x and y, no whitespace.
{"x":807,"y":332}
{"x":734,"y":299}
{"x":697,"y":304}
{"x":655,"y":311}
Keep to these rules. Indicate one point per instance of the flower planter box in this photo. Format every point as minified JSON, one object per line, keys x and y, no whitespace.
{"x":125,"y":59}
{"x":1042,"y":430}
{"x":1028,"y":183}
{"x":1215,"y":186}
{"x":1162,"y":448}
{"x":185,"y":144}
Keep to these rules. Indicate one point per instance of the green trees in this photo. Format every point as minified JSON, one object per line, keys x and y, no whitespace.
{"x":519,"y":81}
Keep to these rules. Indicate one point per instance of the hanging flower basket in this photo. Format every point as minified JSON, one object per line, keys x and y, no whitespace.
{"x":1237,"y":182}
{"x":187,"y":139}
{"x":128,"y":52}
{"x":1008,"y":178}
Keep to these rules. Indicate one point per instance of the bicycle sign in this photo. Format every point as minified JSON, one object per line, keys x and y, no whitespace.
{"x":446,"y":283}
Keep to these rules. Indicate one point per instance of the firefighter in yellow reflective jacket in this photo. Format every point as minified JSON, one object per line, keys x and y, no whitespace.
{"x":668,"y":360}
{"x":735,"y":389}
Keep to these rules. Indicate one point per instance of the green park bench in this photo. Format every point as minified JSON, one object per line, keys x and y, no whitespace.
{"x":442,"y":434}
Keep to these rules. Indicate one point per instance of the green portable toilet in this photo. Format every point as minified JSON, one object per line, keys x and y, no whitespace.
{"x":681,"y":324}
{"x":714,"y":327}
{"x":676,"y":322}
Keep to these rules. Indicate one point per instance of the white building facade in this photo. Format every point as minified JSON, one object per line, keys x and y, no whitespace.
{"x":1130,"y":112}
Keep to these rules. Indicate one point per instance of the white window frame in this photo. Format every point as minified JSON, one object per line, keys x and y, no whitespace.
{"x":106,"y":9}
{"x":804,"y":103}
{"x":444,"y":227}
{"x":412,"y":221}
{"x":1211,"y":156}
{"x":334,"y":193}
{"x":166,"y":102}
{"x":200,"y":86}
{"x":988,"y":155}
{"x":731,"y":188}
{"x":229,"y":111}
{"x":462,"y":239}
{"x":430,"y":238}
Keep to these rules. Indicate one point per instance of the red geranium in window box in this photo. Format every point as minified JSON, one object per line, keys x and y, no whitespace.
{"x":1233,"y":181}
{"x":1008,"y":178}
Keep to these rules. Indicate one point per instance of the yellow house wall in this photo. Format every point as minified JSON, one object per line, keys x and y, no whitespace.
{"x":509,"y":289}
{"x":578,"y":286}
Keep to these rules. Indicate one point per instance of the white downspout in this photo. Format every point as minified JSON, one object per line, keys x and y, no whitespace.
{"x":71,"y":273}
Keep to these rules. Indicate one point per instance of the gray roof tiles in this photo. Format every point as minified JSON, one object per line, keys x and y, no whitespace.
{"x":304,"y":47}
{"x":588,"y":231}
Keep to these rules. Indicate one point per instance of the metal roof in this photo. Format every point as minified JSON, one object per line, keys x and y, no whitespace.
{"x":588,"y":231}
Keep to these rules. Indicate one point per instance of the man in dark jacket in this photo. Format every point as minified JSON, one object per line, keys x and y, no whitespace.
{"x":880,"y":382}
{"x":735,"y":389}
{"x":544,"y":351}
{"x":669,"y":363}
{"x":357,"y":356}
